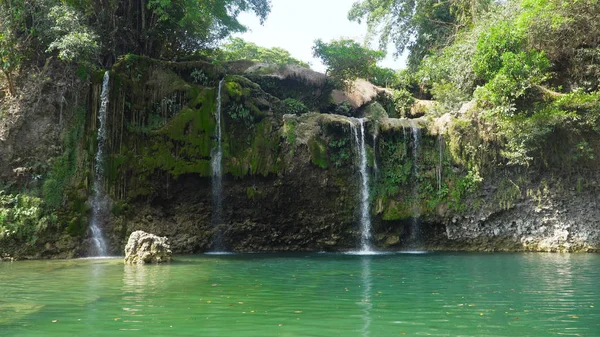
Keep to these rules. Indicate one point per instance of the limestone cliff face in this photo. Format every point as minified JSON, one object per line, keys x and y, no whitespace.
{"x":290,"y":178}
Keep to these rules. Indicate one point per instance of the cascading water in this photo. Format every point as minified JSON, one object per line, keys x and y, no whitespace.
{"x":217,"y":173}
{"x":99,"y":200}
{"x":441,"y":162}
{"x":416,"y":139}
{"x":365,"y":216}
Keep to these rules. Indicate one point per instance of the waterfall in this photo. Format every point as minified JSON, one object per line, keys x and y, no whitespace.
{"x":217,"y":173}
{"x":441,"y":163}
{"x":99,"y":202}
{"x":365,"y":216}
{"x":416,"y":138}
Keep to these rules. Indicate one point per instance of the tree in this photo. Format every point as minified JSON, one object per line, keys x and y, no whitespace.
{"x":238,"y":49}
{"x":9,"y":60}
{"x":166,"y":28}
{"x":347,"y":60}
{"x":157,"y":28}
{"x":419,"y":27}
{"x":73,"y":40}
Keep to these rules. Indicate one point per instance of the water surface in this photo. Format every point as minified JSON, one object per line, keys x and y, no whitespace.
{"x":306,"y":295}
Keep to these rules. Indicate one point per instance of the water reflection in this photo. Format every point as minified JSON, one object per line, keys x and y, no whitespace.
{"x":366,"y":303}
{"x":93,"y":289}
{"x":140,"y":286}
{"x":140,"y":281}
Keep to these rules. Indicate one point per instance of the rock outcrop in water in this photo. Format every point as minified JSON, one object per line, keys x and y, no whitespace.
{"x":145,"y":248}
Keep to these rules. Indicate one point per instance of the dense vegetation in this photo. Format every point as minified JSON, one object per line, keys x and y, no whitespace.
{"x":532,"y":66}
{"x":96,"y":33}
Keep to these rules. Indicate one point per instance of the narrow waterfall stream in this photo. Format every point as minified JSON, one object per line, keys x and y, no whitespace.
{"x":217,"y":175}
{"x":99,"y":200}
{"x":440,"y":167}
{"x":365,"y":209}
{"x":415,"y":229}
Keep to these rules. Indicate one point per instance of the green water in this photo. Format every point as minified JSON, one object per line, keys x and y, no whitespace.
{"x":306,"y":295}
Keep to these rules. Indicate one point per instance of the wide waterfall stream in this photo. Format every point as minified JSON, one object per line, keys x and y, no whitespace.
{"x":99,"y":202}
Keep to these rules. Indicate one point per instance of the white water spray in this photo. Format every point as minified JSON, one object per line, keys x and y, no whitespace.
{"x":441,"y":162}
{"x":365,"y":216}
{"x":99,"y":202}
{"x":217,"y":172}
{"x":415,"y":228}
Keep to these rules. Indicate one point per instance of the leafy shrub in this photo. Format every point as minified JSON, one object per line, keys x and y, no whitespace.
{"x":199,"y":77}
{"x":403,"y":101}
{"x":238,"y":112}
{"x":21,"y":217}
{"x":517,"y":74}
{"x":340,"y":152}
{"x":448,"y":95}
{"x":294,"y":107}
{"x":492,"y":44}
{"x":383,"y":77}
{"x":343,"y":109}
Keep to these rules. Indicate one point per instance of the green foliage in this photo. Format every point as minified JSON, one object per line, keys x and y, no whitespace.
{"x":526,"y":135}
{"x":318,"y":153}
{"x":65,"y":166}
{"x":294,"y":107}
{"x":99,"y":32}
{"x":73,"y":40}
{"x":568,"y":32}
{"x":383,"y":77}
{"x":500,"y":38}
{"x":347,"y":60}
{"x":417,"y":26}
{"x":238,"y":49}
{"x":199,"y":77}
{"x":395,"y":168}
{"x":508,"y":192}
{"x":518,"y":73}
{"x":340,"y":152}
{"x":21,"y":217}
{"x":454,"y":64}
{"x":403,"y":101}
{"x":448,"y":95}
{"x":10,"y":57}
{"x":469,"y":183}
{"x":343,"y":109}
{"x":239,"y":112}
{"x":290,"y":131}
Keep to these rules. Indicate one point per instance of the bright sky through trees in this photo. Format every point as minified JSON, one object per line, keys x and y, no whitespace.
{"x":295,"y":25}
